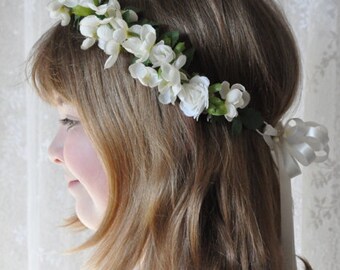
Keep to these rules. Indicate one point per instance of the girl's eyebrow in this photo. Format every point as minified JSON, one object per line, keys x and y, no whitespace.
{"x":60,"y":101}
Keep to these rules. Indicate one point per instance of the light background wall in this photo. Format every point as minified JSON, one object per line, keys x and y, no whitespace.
{"x":33,"y":195}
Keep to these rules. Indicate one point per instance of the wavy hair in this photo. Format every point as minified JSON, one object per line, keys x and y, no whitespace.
{"x":183,"y":194}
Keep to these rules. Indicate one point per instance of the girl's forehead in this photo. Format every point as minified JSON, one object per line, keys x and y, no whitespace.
{"x":66,"y":108}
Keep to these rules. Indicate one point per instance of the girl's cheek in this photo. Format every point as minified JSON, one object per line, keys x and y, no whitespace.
{"x":80,"y":156}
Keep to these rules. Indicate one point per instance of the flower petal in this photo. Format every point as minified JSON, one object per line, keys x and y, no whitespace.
{"x":246,"y":99}
{"x":238,"y":86}
{"x":234,"y":96}
{"x":54,"y":6}
{"x":167,"y":96}
{"x":119,"y":36}
{"x":69,"y":3}
{"x":110,"y":61}
{"x":87,"y":43}
{"x":89,"y":25}
{"x":232,"y":112}
{"x":137,"y":70}
{"x":170,"y":74}
{"x":132,"y":45}
{"x":112,"y":47}
{"x":136,"y":29}
{"x":65,"y":19}
{"x":180,"y":61}
{"x":105,"y":32}
{"x":154,"y":79}
{"x":225,"y":89}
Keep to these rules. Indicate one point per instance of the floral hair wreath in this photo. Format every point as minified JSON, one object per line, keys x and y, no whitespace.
{"x":160,"y":61}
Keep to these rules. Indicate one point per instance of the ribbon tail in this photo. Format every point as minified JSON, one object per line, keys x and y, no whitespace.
{"x":287,"y":221}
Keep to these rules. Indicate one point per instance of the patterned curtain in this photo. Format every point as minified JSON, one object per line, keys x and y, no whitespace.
{"x":317,"y":196}
{"x":33,"y":195}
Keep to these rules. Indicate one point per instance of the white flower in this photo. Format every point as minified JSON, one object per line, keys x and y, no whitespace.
{"x":105,"y":34}
{"x":120,"y":33}
{"x":161,"y":53}
{"x":112,"y":48}
{"x":110,"y":38}
{"x":235,"y":97}
{"x":88,"y":28}
{"x":112,"y":8}
{"x":116,"y":30}
{"x":141,"y":46}
{"x":146,"y":75}
{"x":59,"y":11}
{"x":108,"y":44}
{"x":69,"y":3}
{"x":170,"y":85}
{"x":194,"y":96}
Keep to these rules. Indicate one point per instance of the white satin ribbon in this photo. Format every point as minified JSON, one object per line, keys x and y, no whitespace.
{"x":298,"y":141}
{"x":295,"y":142}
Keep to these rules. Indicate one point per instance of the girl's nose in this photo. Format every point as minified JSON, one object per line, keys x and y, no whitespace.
{"x":56,"y":148}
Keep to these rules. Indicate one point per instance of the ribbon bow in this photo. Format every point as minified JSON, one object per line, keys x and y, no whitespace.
{"x":297,"y":141}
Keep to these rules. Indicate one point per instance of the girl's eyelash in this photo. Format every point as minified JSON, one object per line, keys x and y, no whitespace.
{"x":68,"y":122}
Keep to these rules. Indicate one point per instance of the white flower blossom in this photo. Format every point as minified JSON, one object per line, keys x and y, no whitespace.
{"x":60,"y":12}
{"x":110,"y":38}
{"x":194,"y":96}
{"x":69,"y":3}
{"x":112,"y":48}
{"x":107,"y":43}
{"x":141,"y":46}
{"x":170,"y":84}
{"x":112,"y":9}
{"x":89,"y":27}
{"x":235,"y":97}
{"x":146,"y":75}
{"x":121,"y":29}
{"x":161,"y":53}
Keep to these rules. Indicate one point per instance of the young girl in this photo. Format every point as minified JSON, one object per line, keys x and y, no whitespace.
{"x":162,"y":155}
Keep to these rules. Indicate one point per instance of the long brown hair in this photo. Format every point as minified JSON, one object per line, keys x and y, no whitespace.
{"x":183,"y":194}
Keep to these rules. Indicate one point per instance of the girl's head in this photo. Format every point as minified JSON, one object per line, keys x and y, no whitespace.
{"x":162,"y":187}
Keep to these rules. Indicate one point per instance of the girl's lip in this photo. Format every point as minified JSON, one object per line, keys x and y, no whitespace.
{"x":73,"y":183}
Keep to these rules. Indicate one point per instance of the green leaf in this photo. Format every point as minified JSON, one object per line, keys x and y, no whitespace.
{"x":170,"y":38}
{"x":215,"y":88}
{"x":236,"y":127}
{"x":180,"y":47}
{"x":167,"y":41}
{"x":82,"y":11}
{"x":216,"y":107}
{"x":96,"y":2}
{"x":216,"y":101}
{"x":215,"y":112}
{"x":222,"y":109}
{"x":251,"y":118}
